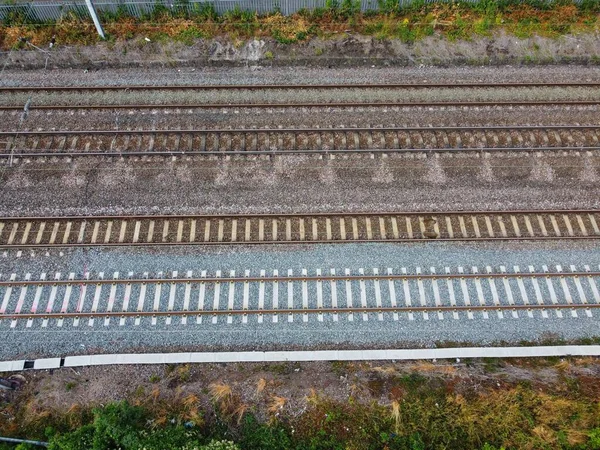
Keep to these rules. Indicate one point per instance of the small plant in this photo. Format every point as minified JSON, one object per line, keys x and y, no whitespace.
{"x":220,"y":392}
{"x":70,"y":385}
{"x":276,"y":404}
{"x":154,"y":378}
{"x":269,"y":54}
{"x":260,"y":386}
{"x":183,"y":373}
{"x":319,"y":51}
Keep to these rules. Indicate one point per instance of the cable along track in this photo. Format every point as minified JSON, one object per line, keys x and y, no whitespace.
{"x":319,"y":140}
{"x":150,"y":230}
{"x":392,"y":294}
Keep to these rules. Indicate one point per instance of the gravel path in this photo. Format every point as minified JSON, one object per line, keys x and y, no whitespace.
{"x":301,"y":184}
{"x":291,"y":75}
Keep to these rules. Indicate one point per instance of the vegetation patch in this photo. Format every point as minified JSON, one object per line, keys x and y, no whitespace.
{"x":491,"y":405}
{"x":451,"y":20}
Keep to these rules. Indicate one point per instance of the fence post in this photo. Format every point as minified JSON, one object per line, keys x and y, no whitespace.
{"x":92,"y":11}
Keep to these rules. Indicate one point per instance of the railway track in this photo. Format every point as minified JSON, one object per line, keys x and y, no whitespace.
{"x":279,"y":105}
{"x":86,"y":231}
{"x":332,"y":86}
{"x":343,"y":140}
{"x":390,"y":294}
{"x":306,"y":96}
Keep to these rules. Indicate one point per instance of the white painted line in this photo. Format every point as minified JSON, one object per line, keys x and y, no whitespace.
{"x":522,"y":289}
{"x":349,"y":295}
{"x":494,"y":291}
{"x":157,"y":294}
{"x":141,"y":299}
{"x":111,"y":298}
{"x":377,"y":293}
{"x":538,"y":292}
{"x":450,"y":285}
{"x":334,"y":301}
{"x":81,"y":300}
{"x":465,"y":292}
{"x":407,"y":299}
{"x":565,"y":288}
{"x":422,"y":297}
{"x":580,"y":292}
{"x":363,"y":294}
{"x":21,"y":300}
{"x":552,"y":292}
{"x":392,"y":290}
{"x":186,"y":297}
{"x":246,"y":297}
{"x":319,"y":296}
{"x":261,"y":296}
{"x":201,"y":297}
{"x":479,"y":290}
{"x":65,"y":305}
{"x":290,"y":296}
{"x":304,"y":296}
{"x":275,"y":295}
{"x":231,"y":297}
{"x":50,"y":304}
{"x":217,"y":296}
{"x":436,"y":293}
{"x":593,"y":285}
{"x":7,"y":295}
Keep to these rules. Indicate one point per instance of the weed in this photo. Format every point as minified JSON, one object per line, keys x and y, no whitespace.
{"x":340,"y":368}
{"x":260,"y":386}
{"x":276,"y":404}
{"x":70,"y":385}
{"x":139,"y":392}
{"x":186,"y":22}
{"x":269,"y":54}
{"x":154,"y":378}
{"x":220,"y":392}
{"x":491,"y":365}
{"x":183,"y":373}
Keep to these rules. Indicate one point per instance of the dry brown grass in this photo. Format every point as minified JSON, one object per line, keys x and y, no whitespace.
{"x":260,"y":386}
{"x":239,"y":412}
{"x":220,"y":392}
{"x":276,"y":404}
{"x":426,"y":366}
{"x":396,"y":415}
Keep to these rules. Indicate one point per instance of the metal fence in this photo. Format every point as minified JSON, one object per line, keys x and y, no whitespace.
{"x":42,"y":11}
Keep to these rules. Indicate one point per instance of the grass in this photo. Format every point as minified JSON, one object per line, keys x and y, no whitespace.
{"x":452,"y":21}
{"x":417,"y":410}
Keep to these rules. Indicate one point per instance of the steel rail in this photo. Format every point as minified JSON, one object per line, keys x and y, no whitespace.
{"x":300,"y":130}
{"x":342,"y":310}
{"x":15,"y":153}
{"x":282,"y":279}
{"x":299,"y":242}
{"x":298,"y":86}
{"x":305,"y":105}
{"x":302,"y":215}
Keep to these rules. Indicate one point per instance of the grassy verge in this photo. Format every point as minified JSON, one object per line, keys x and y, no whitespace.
{"x":521,"y":404}
{"x":450,"y":20}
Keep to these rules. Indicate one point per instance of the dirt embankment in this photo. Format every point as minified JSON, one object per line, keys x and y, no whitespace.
{"x":344,"y":49}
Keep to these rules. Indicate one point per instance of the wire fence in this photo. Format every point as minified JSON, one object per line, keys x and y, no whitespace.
{"x":48,"y":11}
